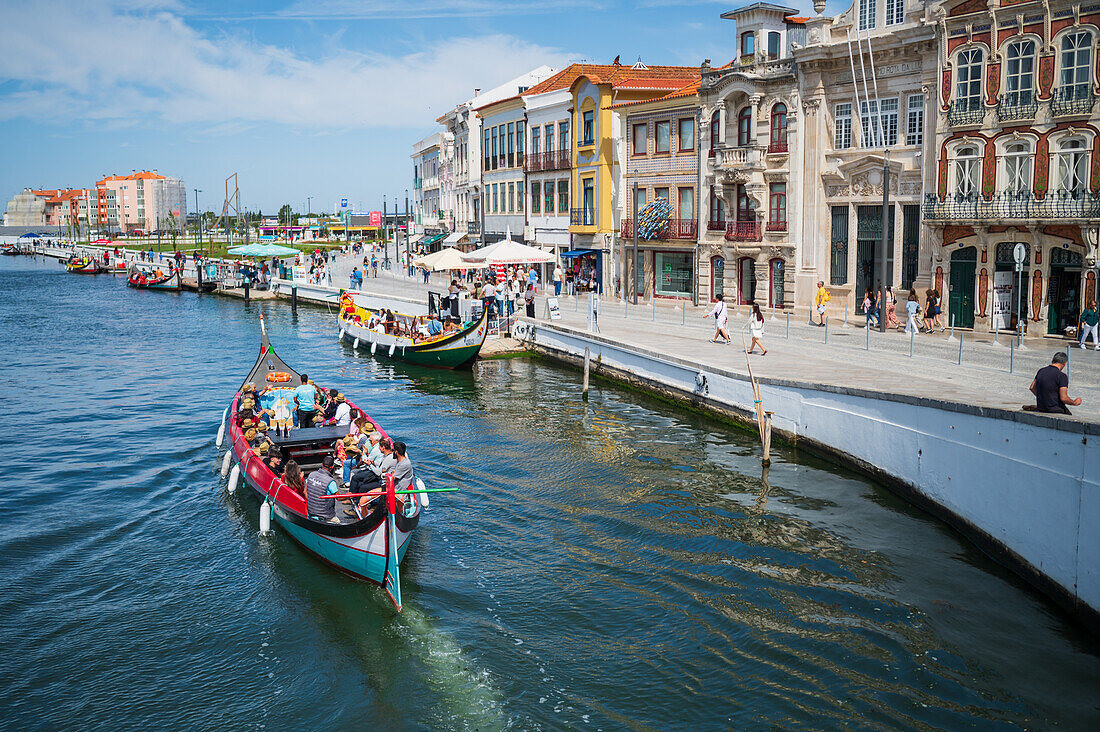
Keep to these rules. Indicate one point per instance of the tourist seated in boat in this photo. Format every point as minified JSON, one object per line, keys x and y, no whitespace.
{"x":321,"y":483}
{"x":359,"y":425}
{"x":274,"y":461}
{"x":370,"y":477}
{"x":435,"y":327}
{"x":261,"y":450}
{"x":293,"y":479}
{"x":348,"y":456}
{"x":262,"y":435}
{"x":403,"y":468}
{"x":369,"y":445}
{"x":343,"y":411}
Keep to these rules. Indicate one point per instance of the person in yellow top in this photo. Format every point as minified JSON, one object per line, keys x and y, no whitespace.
{"x":821,"y":301}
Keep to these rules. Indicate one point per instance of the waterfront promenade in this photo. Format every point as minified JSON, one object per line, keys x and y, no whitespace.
{"x":801,"y":352}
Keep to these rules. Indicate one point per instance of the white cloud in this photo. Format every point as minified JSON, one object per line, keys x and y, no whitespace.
{"x":138,"y":61}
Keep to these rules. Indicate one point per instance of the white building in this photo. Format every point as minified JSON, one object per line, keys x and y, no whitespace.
{"x":426,"y":201}
{"x":548,"y":162}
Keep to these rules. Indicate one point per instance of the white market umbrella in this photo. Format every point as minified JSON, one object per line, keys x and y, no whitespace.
{"x":263,"y":250}
{"x":507,"y":251}
{"x":444,"y":259}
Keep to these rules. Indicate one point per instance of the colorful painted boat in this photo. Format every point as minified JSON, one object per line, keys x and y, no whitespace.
{"x":369,"y":548}
{"x":84,"y":265}
{"x":451,"y":350}
{"x":143,"y":280}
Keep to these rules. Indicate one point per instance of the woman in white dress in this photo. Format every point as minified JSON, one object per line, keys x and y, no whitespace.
{"x":756,"y":328}
{"x":721,"y":315}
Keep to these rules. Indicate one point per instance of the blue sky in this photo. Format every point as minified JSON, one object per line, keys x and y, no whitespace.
{"x":302,"y":99}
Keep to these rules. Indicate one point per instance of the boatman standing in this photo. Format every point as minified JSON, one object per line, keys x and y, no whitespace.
{"x":305,"y":402}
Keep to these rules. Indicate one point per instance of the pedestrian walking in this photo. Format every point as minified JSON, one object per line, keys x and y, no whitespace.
{"x":912,"y":309}
{"x":557,"y":279}
{"x":891,"y":309}
{"x":1051,"y":387}
{"x":533,"y":278}
{"x":821,"y":303}
{"x":721,"y":314}
{"x":929,"y":311}
{"x":756,"y":329}
{"x":869,"y":307}
{"x":1089,"y":320}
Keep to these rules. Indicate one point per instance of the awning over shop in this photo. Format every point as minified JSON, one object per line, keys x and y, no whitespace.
{"x":578,"y":253}
{"x":456,"y":237}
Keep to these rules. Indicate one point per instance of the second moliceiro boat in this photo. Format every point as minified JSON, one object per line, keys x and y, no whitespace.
{"x":144,"y":280}
{"x":406,"y":337}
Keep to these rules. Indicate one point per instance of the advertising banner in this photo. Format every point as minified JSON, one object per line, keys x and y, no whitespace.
{"x":1003,"y":285}
{"x":375,"y":218}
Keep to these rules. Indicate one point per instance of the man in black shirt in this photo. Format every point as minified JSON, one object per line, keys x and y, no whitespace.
{"x":1051,"y":387}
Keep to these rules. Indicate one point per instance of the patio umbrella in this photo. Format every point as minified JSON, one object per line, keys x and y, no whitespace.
{"x":30,"y":235}
{"x":444,"y":259}
{"x":263,"y":250}
{"x":507,"y":251}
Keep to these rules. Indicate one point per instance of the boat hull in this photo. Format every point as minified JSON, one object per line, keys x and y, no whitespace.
{"x":454,"y":352}
{"x":170,"y":283}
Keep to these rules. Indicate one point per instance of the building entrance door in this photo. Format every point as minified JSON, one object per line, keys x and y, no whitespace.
{"x":1063,"y":291}
{"x":746,"y":281}
{"x":868,"y":242}
{"x":961,"y":288}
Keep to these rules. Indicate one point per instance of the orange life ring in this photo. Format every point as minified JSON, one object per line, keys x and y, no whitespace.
{"x":278,"y":376}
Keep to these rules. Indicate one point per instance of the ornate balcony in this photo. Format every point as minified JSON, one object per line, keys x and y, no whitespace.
{"x":968,"y":111}
{"x":777,"y":226}
{"x":1017,"y":105}
{"x":552,"y":160}
{"x":738,"y":158}
{"x":743,"y":231}
{"x":1071,"y":100}
{"x":473,"y":227}
{"x":582,"y":217}
{"x":716,"y":225}
{"x":671,"y":230}
{"x":777,"y":147}
{"x":1011,"y":206}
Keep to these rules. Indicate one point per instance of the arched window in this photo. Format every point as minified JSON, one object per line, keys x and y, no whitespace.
{"x":774,"y":40}
{"x":744,"y":126}
{"x":968,"y":78}
{"x":1018,"y":169}
{"x":778,"y":141}
{"x":1072,"y":166}
{"x":1076,"y":59}
{"x":715,"y":122}
{"x":1020,"y":72}
{"x":968,"y":165}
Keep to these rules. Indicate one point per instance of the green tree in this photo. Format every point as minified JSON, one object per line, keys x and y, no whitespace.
{"x":285,"y":214}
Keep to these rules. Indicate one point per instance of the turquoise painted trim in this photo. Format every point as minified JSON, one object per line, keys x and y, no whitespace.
{"x":362,"y":564}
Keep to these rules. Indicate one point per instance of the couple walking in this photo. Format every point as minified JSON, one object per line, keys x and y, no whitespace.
{"x":721,"y":316}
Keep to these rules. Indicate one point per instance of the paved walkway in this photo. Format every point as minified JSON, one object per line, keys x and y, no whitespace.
{"x":799,"y":351}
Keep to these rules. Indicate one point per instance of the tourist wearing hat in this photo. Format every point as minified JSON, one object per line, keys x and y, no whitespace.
{"x":343,"y":411}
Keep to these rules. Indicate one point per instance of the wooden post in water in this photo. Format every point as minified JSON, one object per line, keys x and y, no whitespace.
{"x":294,"y":298}
{"x":587,"y":366}
{"x":767,"y":439}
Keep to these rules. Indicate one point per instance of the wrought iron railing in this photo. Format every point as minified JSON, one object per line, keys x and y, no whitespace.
{"x":533,"y":162}
{"x":473,"y":227}
{"x":670,"y":230}
{"x":1012,"y":206}
{"x":717,"y":225}
{"x":743,"y":231}
{"x":1017,"y":105}
{"x":582,"y":217}
{"x":1074,"y":99}
{"x":777,"y":226}
{"x":778,"y":147}
{"x":552,"y":160}
{"x":966,"y":111}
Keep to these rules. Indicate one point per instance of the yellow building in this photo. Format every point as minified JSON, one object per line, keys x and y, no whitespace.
{"x":597,"y":173}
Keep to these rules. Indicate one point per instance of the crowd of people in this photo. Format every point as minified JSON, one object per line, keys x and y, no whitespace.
{"x":356,"y":464}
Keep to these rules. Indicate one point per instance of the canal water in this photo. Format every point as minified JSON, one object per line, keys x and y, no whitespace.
{"x":620,"y":564}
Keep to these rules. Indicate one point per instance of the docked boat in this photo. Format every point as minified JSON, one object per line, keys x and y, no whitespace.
{"x":85,"y":265}
{"x":406,"y":338}
{"x":143,"y":280}
{"x":371,"y":546}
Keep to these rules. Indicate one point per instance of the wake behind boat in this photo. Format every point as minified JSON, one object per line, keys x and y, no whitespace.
{"x":369,"y":542}
{"x":410,"y":337}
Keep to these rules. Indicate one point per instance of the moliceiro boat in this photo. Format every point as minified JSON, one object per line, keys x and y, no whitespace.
{"x":368,"y":545}
{"x":85,"y":265}
{"x":144,"y":280}
{"x":407,"y":337}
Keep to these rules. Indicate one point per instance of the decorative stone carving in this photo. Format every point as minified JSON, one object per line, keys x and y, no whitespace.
{"x":1092,"y":239}
{"x":862,"y":185}
{"x":835,"y":191}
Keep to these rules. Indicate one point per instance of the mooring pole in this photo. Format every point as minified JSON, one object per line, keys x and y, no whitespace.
{"x":587,"y":366}
{"x":294,"y":298}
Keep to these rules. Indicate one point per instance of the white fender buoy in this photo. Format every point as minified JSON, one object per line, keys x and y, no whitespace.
{"x":373,"y":348}
{"x":225,"y":462}
{"x":343,"y":332}
{"x":392,"y":347}
{"x":356,"y":344}
{"x":265,"y":518}
{"x":234,"y":476}
{"x":422,"y":496}
{"x":221,"y":429}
